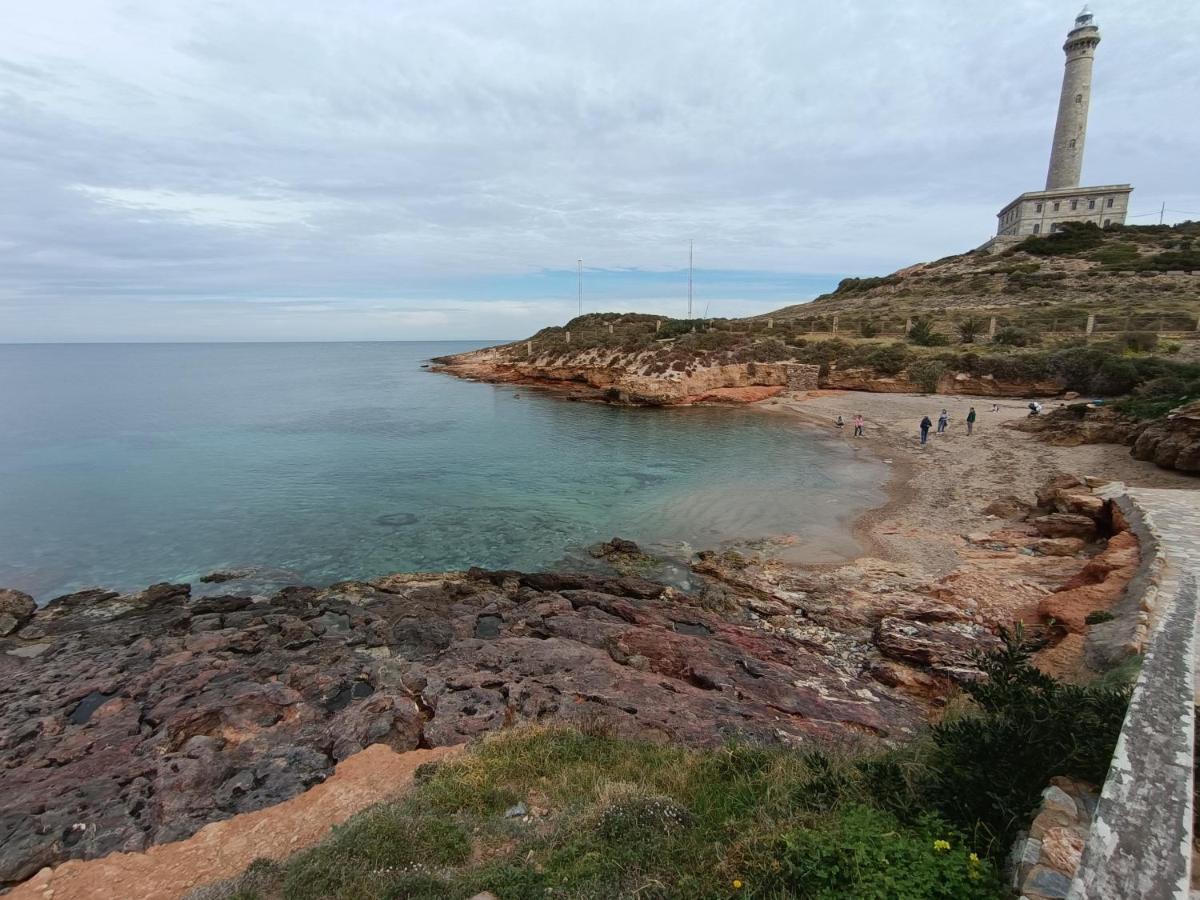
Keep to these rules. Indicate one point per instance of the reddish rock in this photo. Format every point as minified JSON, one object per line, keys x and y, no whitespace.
{"x":1096,"y":587}
{"x":1060,"y":525}
{"x":147,"y":716}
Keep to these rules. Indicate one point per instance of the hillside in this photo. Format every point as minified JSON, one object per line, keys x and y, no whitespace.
{"x":1129,"y":277}
{"x":1002,"y":322}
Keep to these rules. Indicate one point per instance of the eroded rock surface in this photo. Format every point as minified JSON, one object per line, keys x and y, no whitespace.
{"x":140,"y":718}
{"x":1173,"y":442}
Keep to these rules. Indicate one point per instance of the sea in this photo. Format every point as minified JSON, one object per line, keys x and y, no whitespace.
{"x":122,"y":465}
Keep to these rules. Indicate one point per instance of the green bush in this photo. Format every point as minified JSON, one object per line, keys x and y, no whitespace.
{"x":990,"y":767}
{"x":1098,"y":617}
{"x":922,"y":333}
{"x":969,"y":329}
{"x":1140,"y":341}
{"x":1011,"y":336}
{"x":1075,"y":237}
{"x":676,"y":327}
{"x":889,"y":359}
{"x":928,"y":374}
{"x":868,"y":854}
{"x":867,"y":328}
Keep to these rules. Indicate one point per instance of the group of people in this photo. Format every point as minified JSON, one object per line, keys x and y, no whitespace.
{"x":943,"y":422}
{"x":859,"y":424}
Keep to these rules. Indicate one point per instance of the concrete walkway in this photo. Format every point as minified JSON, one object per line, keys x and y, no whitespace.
{"x":1140,"y":843}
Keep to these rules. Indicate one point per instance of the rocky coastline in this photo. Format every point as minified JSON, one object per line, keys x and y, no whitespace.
{"x":133,"y":720}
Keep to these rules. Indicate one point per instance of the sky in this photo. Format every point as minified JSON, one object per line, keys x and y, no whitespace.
{"x":432,"y":169}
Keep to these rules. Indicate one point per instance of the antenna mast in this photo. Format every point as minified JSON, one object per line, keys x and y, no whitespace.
{"x":579,"y":264}
{"x":690,"y":279}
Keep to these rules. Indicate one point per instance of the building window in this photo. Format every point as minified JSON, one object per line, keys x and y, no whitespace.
{"x":1091,"y":204}
{"x":1107,"y":222}
{"x":1056,"y":206}
{"x":1108,"y":203}
{"x":1074,"y":204}
{"x":1038,"y":208}
{"x":1037,"y":229}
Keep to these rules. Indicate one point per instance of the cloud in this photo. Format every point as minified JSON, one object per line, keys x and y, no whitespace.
{"x":444,"y":159}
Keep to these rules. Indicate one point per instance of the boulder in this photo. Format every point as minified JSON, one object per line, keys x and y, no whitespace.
{"x":1096,"y":587}
{"x":1066,"y":525}
{"x":1173,"y":442}
{"x":16,"y":608}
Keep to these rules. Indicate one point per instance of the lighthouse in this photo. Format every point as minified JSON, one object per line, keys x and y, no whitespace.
{"x":1064,"y":200}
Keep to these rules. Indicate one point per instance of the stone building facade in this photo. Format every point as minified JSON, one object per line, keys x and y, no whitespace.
{"x":1064,"y":200}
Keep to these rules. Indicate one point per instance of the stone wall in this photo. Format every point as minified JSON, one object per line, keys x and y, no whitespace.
{"x":1045,"y":858}
{"x":1140,"y":840}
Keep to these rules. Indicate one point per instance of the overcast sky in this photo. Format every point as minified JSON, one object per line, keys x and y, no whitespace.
{"x":403,"y":169}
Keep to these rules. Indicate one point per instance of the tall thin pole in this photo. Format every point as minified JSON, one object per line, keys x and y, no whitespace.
{"x":690,"y":279}
{"x":1161,"y":212}
{"x":579,"y":265}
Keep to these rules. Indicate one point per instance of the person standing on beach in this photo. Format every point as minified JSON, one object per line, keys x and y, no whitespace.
{"x":943,"y":421}
{"x":971,"y":420}
{"x":858,"y":425}
{"x":926,"y":424}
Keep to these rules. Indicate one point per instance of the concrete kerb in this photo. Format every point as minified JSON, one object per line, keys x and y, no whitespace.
{"x":1140,"y":843}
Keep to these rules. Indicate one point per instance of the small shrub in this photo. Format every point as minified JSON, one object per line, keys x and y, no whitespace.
{"x":1140,"y":341}
{"x":1012,"y":336}
{"x":866,"y":853}
{"x":922,"y":334}
{"x":969,"y":329}
{"x":1098,"y":616}
{"x":888,"y":360}
{"x":1075,"y":237}
{"x":991,"y":766}
{"x":928,"y":374}
{"x":867,"y":328}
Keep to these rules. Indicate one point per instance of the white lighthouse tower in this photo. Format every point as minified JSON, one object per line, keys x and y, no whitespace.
{"x":1063,"y":200}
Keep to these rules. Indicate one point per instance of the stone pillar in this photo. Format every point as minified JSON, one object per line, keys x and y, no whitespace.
{"x":908,"y":325}
{"x":568,"y":337}
{"x":770,"y":324}
{"x":657,"y":325}
{"x":610,"y":328}
{"x":833,"y":330}
{"x":992,"y":329}
{"x":529,"y":348}
{"x":1066,"y":154}
{"x":1091,"y":324}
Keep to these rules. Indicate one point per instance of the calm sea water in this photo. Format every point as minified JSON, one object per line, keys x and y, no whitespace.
{"x":126,"y":464}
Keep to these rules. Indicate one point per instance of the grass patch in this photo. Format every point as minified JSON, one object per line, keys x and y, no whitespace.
{"x":615,"y":818}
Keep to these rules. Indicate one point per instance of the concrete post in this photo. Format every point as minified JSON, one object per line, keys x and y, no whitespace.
{"x":770,"y":323}
{"x":568,"y":337}
{"x":1091,"y":324}
{"x":908,"y":325}
{"x":835,"y":323}
{"x":610,"y":328}
{"x":992,"y":329}
{"x":657,"y":325}
{"x":529,"y":348}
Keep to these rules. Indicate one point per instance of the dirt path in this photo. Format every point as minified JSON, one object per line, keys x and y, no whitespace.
{"x":224,"y":849}
{"x":938,"y":492}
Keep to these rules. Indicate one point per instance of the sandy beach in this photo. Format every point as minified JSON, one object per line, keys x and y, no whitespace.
{"x":937,"y":493}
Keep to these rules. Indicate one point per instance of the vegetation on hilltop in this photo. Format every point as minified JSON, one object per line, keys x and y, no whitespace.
{"x":1116,"y":273}
{"x":580,"y":814}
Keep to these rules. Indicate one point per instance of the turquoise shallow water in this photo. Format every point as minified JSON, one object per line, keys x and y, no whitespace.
{"x":126,"y":464}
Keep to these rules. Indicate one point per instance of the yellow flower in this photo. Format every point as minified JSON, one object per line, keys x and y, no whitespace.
{"x":974,"y":859}
{"x":737,"y":884}
{"x":941,"y":846}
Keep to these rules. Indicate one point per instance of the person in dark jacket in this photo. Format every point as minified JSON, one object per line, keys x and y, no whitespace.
{"x":971,"y":420}
{"x":926,"y":424}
